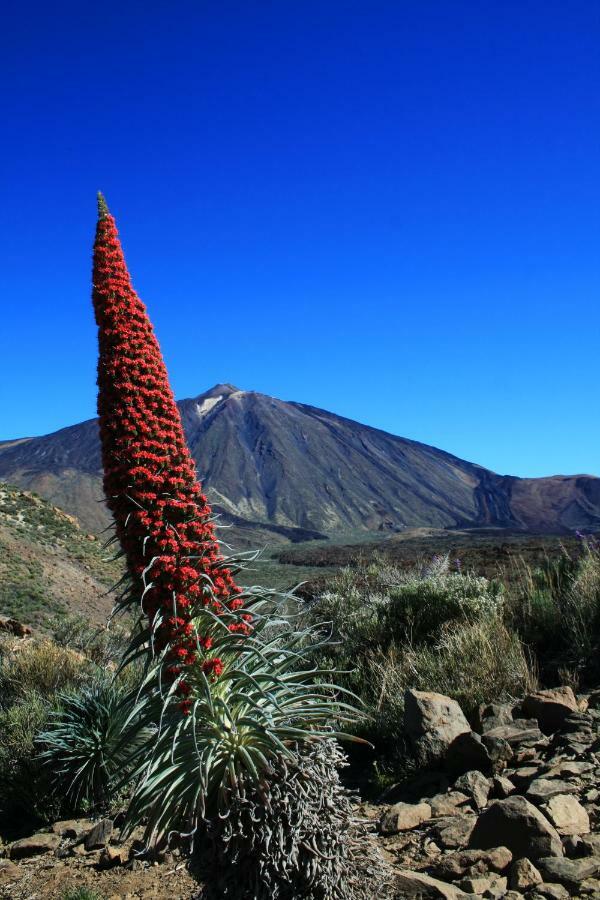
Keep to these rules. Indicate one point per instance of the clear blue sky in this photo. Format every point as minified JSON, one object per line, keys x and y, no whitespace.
{"x":387,"y":209}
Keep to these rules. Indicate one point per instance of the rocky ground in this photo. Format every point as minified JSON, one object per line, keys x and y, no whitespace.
{"x":509,"y":810}
{"x":81,"y":853}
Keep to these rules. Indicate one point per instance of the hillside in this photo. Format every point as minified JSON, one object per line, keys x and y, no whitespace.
{"x":48,"y":565}
{"x":283,"y":471}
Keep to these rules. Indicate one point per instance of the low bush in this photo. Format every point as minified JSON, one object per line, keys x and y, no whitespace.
{"x":377,"y":609}
{"x":381,"y":605}
{"x":428,"y":628}
{"x":24,"y":785}
{"x":474,"y":663}
{"x":81,"y":893}
{"x":31,"y":676}
{"x":40,"y":668}
{"x":556,"y":611}
{"x":102,"y":644}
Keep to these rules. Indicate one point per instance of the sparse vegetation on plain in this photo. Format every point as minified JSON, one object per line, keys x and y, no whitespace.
{"x":436,"y":627}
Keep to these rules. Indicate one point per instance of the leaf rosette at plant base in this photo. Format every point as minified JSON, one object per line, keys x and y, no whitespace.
{"x":266,"y":701}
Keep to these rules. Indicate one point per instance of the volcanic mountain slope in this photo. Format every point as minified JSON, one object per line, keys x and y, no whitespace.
{"x":290,"y":471}
{"x":48,"y":565}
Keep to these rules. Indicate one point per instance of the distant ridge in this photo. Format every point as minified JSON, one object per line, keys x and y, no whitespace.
{"x":288,"y":471}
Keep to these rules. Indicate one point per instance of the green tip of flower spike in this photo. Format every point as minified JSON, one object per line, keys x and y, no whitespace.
{"x":102,"y":207}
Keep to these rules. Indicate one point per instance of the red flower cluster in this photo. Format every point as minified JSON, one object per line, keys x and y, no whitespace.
{"x":160,"y":512}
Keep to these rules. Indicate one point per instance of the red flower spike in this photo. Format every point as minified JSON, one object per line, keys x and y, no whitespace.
{"x":161,"y":515}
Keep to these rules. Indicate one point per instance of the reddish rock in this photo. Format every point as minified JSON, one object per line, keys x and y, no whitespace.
{"x":404,"y":817}
{"x":524,"y":875}
{"x":12,"y":626}
{"x":550,"y":707}
{"x":454,"y":865}
{"x":34,"y":845}
{"x":419,"y":885}
{"x":449,"y":804}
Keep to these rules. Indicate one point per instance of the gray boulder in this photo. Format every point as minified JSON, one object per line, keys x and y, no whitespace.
{"x":517,"y":824}
{"x":99,"y":836}
{"x":467,"y":752}
{"x":502,"y":787}
{"x":548,"y":891}
{"x":476,"y":785}
{"x":542,"y":789}
{"x":491,"y":715}
{"x":454,"y":833}
{"x":519,"y":733}
{"x":432,"y":722}
{"x":449,"y":804}
{"x":492,"y":887}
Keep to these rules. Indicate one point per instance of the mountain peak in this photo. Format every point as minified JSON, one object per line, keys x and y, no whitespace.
{"x":203,"y":403}
{"x":219,"y":390}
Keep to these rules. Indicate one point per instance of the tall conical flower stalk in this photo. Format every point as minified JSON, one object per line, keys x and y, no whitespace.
{"x":234,"y":769}
{"x":162,"y":517}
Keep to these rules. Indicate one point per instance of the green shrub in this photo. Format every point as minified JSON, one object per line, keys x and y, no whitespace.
{"x":380,"y":605}
{"x":472,"y":662}
{"x":33,"y":677}
{"x":420,"y":606}
{"x":556,"y":611}
{"x":103,"y":645}
{"x":23,"y":593}
{"x":24,"y":787}
{"x":428,"y":628}
{"x":379,"y":608}
{"x":41,"y":668}
{"x":81,"y":893}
